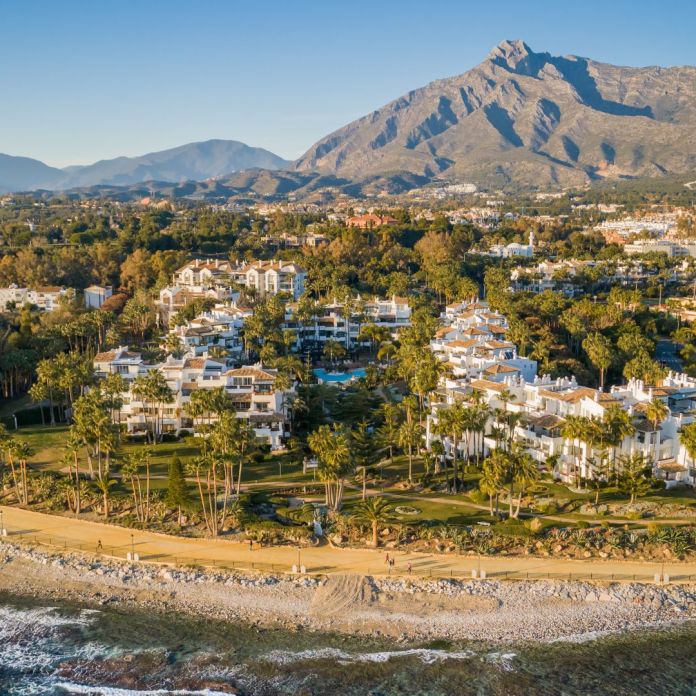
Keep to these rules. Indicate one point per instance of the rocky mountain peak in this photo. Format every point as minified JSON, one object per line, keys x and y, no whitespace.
{"x":517,"y":57}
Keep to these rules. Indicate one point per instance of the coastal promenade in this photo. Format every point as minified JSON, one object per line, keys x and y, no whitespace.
{"x":116,"y":542}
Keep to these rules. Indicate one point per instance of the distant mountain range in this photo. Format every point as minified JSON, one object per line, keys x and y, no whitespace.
{"x":527,"y":118}
{"x":519,"y":119}
{"x":192,"y":162}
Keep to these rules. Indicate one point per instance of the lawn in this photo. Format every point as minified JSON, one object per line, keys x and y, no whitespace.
{"x":280,"y":471}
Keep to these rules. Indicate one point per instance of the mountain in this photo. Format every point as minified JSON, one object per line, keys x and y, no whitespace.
{"x":195,"y":161}
{"x":526,"y":118}
{"x":19,"y":173}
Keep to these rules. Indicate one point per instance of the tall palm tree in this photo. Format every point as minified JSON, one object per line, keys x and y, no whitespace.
{"x":374,"y":511}
{"x":493,"y":478}
{"x":451,"y":422}
{"x":573,"y":430}
{"x":332,"y":448}
{"x":410,"y":436}
{"x":105,"y":484}
{"x":656,"y":412}
{"x":525,"y":472}
{"x":618,"y":426}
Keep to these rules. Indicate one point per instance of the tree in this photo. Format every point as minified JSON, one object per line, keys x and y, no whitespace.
{"x":452,"y":422}
{"x":104,"y":485}
{"x":332,"y":448}
{"x":617,"y":427}
{"x":334,"y":350}
{"x":365,"y":452}
{"x":177,"y":490}
{"x":573,"y":429}
{"x":410,"y":438}
{"x":600,"y":351}
{"x":656,"y":412}
{"x":643,"y":367}
{"x":493,"y":478}
{"x":389,"y":430}
{"x":374,"y":511}
{"x":152,"y":389}
{"x":524,"y":471}
{"x":634,"y":478}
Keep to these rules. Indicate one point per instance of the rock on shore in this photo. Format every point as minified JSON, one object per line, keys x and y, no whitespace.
{"x":403,"y":608}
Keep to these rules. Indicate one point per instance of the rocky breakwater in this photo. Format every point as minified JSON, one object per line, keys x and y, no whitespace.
{"x":403,"y":609}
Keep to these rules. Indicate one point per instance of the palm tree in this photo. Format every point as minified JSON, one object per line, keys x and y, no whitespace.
{"x":374,"y":511}
{"x":410,"y":436}
{"x":618,"y":426}
{"x":656,"y":412}
{"x":332,"y":448}
{"x":687,"y":437}
{"x":524,"y":472}
{"x":104,"y":484}
{"x":492,"y":478}
{"x":573,"y":429}
{"x":452,"y":422}
{"x":22,"y":451}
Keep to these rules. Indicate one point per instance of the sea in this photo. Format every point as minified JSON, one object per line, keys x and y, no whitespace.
{"x":64,"y":648}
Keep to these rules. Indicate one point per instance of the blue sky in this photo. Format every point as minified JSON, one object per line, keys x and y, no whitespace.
{"x":93,"y":79}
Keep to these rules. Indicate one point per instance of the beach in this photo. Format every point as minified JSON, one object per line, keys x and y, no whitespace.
{"x":401,"y":608}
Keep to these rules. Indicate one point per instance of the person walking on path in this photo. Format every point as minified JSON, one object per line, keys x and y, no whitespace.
{"x":99,"y":545}
{"x":251,"y":544}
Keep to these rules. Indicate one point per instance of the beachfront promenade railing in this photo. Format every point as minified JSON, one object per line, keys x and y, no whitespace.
{"x":406,"y":565}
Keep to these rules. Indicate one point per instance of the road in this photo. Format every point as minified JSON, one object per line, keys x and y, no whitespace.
{"x":71,"y":534}
{"x":667,"y":353}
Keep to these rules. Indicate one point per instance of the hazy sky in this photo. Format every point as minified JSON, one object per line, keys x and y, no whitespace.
{"x":94,"y":79}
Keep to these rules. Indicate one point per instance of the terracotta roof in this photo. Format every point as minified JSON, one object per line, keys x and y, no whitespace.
{"x":251,"y":372}
{"x":108,"y":356}
{"x":500,"y":369}
{"x":459,"y":343}
{"x":548,"y":421}
{"x":483,"y":384}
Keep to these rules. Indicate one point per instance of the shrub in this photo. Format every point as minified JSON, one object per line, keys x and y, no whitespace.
{"x":582,"y":524}
{"x":634,"y":515}
{"x":534,"y":525}
{"x":511,"y":527}
{"x":478,"y":497}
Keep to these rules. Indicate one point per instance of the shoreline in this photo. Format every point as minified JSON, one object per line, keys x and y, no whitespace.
{"x":405,"y":610}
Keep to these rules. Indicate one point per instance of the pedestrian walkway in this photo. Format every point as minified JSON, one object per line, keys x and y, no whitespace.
{"x":151,"y":547}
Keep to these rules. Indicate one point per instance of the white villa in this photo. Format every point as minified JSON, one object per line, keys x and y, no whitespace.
{"x":45,"y":298}
{"x":543,"y":404}
{"x":251,"y":391}
{"x":221,"y":326}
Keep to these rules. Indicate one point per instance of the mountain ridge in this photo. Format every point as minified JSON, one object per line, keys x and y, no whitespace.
{"x":195,"y":161}
{"x":529,"y":117}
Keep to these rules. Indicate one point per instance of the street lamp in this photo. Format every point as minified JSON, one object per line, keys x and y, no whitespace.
{"x":3,"y":531}
{"x":132,"y":547}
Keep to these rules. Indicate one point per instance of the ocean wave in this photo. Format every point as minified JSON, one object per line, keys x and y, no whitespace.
{"x":426,"y":655}
{"x":70,"y":688}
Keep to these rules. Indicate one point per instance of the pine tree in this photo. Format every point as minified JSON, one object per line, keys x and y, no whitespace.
{"x":365,"y":451}
{"x":177,"y":491}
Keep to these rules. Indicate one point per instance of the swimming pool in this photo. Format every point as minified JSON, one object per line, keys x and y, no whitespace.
{"x":324,"y":376}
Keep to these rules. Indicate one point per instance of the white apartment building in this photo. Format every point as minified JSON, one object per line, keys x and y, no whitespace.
{"x":543,"y":404}
{"x":219,"y":327}
{"x":271,"y":278}
{"x":331,"y":323}
{"x":45,"y":298}
{"x":251,"y":390}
